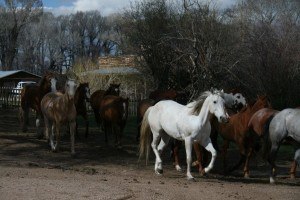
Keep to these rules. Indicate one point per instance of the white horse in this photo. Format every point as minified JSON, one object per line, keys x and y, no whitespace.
{"x":169,"y":119}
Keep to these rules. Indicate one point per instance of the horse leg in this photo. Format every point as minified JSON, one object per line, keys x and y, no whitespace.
{"x":224,"y":153}
{"x":271,"y":160}
{"x":209,"y":147}
{"x":293,"y":169}
{"x":175,"y":148}
{"x":158,"y":162}
{"x":52,"y":137}
{"x":198,"y":152}
{"x":72,"y":130}
{"x":165,"y":138}
{"x":57,"y":137}
{"x":86,"y":125}
{"x":116,"y":131}
{"x":243,"y":156}
{"x":246,"y":166}
{"x":25,"y":113}
{"x":188,"y":150}
{"x":47,"y":126}
{"x":76,"y":129}
{"x":39,"y":131}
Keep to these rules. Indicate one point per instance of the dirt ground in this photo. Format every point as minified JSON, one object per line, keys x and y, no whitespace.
{"x":29,"y":170}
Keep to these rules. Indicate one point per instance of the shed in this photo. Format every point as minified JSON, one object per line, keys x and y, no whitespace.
{"x":11,"y":78}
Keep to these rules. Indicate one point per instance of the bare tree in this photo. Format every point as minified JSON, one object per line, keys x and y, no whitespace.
{"x":16,"y":14}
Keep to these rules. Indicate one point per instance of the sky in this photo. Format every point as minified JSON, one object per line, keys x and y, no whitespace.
{"x":106,"y":7}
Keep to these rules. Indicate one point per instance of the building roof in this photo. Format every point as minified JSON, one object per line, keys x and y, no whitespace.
{"x":5,"y":74}
{"x":114,"y":70}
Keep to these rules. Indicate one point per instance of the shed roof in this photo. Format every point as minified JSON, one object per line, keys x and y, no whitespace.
{"x":6,"y":74}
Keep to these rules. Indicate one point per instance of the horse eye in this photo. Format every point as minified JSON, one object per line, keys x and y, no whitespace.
{"x":238,"y":97}
{"x":215,"y":102}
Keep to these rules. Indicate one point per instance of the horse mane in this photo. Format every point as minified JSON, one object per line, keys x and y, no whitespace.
{"x":198,"y":103}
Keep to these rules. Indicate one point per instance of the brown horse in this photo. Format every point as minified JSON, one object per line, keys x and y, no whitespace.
{"x":82,"y":95}
{"x":97,"y":96}
{"x":59,"y":109}
{"x":31,"y":96}
{"x":159,"y":95}
{"x":114,"y":113}
{"x":237,"y":131}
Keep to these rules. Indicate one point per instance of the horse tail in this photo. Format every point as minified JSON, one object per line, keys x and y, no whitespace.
{"x":266,"y":137}
{"x":145,"y":137}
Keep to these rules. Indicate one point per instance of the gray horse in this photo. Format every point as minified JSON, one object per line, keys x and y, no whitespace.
{"x":284,"y":124}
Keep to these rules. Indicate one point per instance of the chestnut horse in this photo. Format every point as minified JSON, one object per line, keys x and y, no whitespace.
{"x":113,"y":114}
{"x":31,"y":96}
{"x":82,"y":95}
{"x":59,"y":109}
{"x":97,"y":96}
{"x":237,"y":131}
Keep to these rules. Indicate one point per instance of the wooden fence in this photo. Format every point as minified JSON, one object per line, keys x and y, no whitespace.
{"x":10,"y":98}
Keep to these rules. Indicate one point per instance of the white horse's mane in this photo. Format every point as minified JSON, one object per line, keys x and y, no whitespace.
{"x":196,"y":105}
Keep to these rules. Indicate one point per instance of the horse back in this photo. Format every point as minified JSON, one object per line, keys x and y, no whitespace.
{"x":112,"y":108}
{"x":259,"y":120}
{"x":96,"y":98}
{"x":143,"y":106}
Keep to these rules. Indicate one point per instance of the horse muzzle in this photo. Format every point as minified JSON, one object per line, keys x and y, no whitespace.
{"x":223,"y":119}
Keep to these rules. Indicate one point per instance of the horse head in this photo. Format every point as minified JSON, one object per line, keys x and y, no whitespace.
{"x":48,"y":82}
{"x":86,"y":91}
{"x":239,"y":101}
{"x":217,"y":105}
{"x":114,"y":89}
{"x":70,"y":87}
{"x":262,"y":102}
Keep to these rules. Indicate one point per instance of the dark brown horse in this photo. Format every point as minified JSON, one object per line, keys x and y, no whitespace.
{"x":31,"y":96}
{"x":237,"y":131}
{"x":82,"y":95}
{"x":113,"y":114}
{"x":97,"y":96}
{"x":159,"y":95}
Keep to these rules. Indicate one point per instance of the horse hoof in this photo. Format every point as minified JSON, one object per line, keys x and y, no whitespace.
{"x":159,"y":171}
{"x":191,"y":179}
{"x":272,"y":180}
{"x":247,"y":176}
{"x":178,"y":168}
{"x":292,"y":176}
{"x":195,"y":163}
{"x":202,"y":172}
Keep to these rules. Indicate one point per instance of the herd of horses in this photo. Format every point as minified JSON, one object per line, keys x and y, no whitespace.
{"x":166,"y":116}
